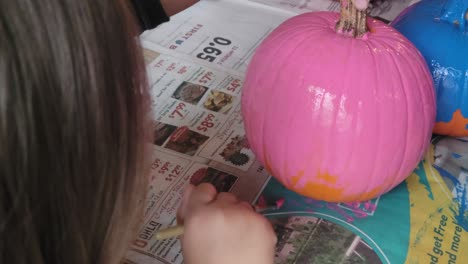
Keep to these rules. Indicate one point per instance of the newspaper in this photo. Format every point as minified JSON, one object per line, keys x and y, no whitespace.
{"x":198,"y":137}
{"x":196,"y":65}
{"x":219,"y":33}
{"x":387,"y":10}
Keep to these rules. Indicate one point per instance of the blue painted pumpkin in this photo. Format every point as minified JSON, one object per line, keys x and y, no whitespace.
{"x":439,"y":29}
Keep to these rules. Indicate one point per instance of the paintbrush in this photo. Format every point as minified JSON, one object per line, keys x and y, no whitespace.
{"x":178,"y":230}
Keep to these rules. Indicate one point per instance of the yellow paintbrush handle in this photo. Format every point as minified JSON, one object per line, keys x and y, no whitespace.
{"x":173,"y":231}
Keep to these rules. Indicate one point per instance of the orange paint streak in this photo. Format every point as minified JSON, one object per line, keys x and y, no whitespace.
{"x":329,"y":193}
{"x":327,"y":177}
{"x":323,"y":190}
{"x":327,"y":190}
{"x":295,"y":179}
{"x":364,"y":196}
{"x":455,"y":127}
{"x":320,"y":191}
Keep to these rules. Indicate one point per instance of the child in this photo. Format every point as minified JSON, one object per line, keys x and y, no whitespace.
{"x":73,"y":101}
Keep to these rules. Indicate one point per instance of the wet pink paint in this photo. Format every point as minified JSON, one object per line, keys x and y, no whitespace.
{"x":346,"y":214}
{"x":369,"y":206}
{"x":314,"y":203}
{"x":348,"y":211}
{"x":357,"y":210}
{"x":280,"y":203}
{"x":361,"y":110}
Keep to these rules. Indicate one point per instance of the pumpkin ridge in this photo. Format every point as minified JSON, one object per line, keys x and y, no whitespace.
{"x":322,"y":139}
{"x":312,"y":38}
{"x":405,"y":149}
{"x":391,"y":182}
{"x":275,"y":90}
{"x":421,"y":143}
{"x":377,"y":132}
{"x":354,"y":118}
{"x":293,"y":118}
{"x":423,"y":68}
{"x":264,"y":144}
{"x":418,"y":89}
{"x":357,"y":116}
{"x":396,"y":157}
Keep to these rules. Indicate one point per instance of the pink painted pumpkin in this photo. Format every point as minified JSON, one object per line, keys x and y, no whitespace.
{"x":337,"y":118}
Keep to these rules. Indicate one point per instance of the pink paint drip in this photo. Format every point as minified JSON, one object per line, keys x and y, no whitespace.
{"x":295,"y":203}
{"x":356,"y":211}
{"x":261,"y":202}
{"x":315,"y":203}
{"x":370,"y":207}
{"x":355,"y":207}
{"x":342,"y":212}
{"x":280,"y":203}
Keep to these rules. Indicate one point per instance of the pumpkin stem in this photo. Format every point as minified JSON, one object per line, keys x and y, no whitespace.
{"x":352,"y":20}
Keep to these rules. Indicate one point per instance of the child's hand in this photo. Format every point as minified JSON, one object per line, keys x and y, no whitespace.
{"x":221,"y":229}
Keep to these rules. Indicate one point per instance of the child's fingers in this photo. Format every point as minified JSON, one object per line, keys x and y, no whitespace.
{"x":195,"y":197}
{"x":181,"y":212}
{"x":226,"y":198}
{"x":201,"y":195}
{"x":246,"y":205}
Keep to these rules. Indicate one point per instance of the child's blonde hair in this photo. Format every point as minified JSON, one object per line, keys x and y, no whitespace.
{"x":72,"y":108}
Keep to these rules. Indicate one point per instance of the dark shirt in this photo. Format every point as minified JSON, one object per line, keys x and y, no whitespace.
{"x":149,"y":13}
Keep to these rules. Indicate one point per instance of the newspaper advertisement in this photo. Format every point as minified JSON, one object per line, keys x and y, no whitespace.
{"x":218,"y":33}
{"x":423,"y":220}
{"x":387,"y":10}
{"x":198,"y":137}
